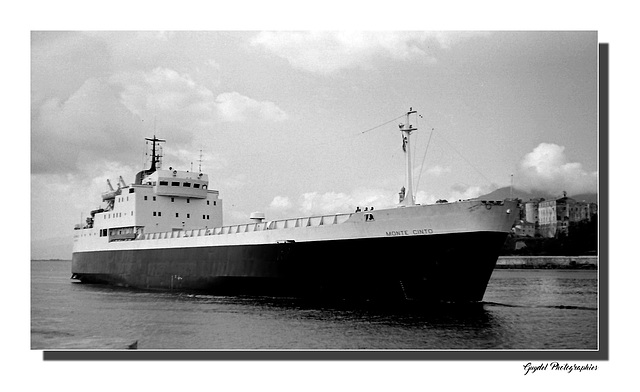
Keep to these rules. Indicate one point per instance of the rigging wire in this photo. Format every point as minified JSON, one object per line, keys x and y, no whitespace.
{"x":466,"y":160}
{"x":424,"y":157}
{"x":378,"y":126}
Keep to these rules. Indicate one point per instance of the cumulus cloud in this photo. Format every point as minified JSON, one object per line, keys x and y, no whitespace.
{"x":67,"y":135}
{"x":234,"y":107}
{"x":312,"y":203}
{"x":464,"y":192}
{"x":106,"y":118}
{"x":326,"y":52}
{"x":281,"y":203}
{"x":547,"y":169}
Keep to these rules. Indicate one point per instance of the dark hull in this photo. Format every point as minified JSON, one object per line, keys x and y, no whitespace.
{"x":452,"y":267}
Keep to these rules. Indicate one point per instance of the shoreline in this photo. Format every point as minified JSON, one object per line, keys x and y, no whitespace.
{"x":547,"y":262}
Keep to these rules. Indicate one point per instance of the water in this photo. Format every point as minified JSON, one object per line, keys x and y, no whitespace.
{"x":522,"y":309}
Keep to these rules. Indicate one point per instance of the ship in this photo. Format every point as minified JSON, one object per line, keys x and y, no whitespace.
{"x":165,"y":231}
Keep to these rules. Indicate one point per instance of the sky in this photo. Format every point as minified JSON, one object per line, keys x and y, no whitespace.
{"x":295,"y":123}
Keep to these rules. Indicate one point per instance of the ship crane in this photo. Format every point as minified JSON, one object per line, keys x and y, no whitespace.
{"x":110,"y":195}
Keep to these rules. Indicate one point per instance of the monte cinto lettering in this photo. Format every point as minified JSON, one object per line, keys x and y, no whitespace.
{"x":396,"y":233}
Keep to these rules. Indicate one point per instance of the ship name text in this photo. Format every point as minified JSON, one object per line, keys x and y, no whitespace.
{"x":396,"y":233}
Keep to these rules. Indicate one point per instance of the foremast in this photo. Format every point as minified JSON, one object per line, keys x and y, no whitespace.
{"x":406,"y":195}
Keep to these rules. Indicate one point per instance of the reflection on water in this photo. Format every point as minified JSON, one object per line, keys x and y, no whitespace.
{"x":522,"y":310}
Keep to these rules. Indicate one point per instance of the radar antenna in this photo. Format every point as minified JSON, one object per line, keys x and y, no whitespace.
{"x":155,"y":152}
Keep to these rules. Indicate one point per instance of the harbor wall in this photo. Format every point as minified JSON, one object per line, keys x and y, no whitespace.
{"x":549,"y":262}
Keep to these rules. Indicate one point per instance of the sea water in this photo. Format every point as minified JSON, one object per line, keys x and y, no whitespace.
{"x":521,"y":310}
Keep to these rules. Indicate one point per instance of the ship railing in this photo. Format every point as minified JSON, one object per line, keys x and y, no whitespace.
{"x":310,"y":221}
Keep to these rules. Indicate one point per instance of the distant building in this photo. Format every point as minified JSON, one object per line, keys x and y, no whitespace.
{"x":523,"y":228}
{"x":531,"y":210}
{"x":554,"y":216}
{"x":580,"y":212}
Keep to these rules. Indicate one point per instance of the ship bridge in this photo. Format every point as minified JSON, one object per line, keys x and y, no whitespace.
{"x":178,"y":183}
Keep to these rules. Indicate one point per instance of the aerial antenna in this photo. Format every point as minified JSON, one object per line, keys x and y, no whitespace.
{"x":200,"y":162}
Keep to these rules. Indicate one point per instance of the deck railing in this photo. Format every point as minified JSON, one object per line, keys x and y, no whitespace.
{"x":310,"y":221}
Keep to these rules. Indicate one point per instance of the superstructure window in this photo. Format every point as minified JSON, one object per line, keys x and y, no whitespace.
{"x":186,"y":184}
{"x":173,"y":199}
{"x":177,"y":215}
{"x":154,"y":213}
{"x":154,"y":198}
{"x":175,"y":183}
{"x":187,"y":200}
{"x":159,"y":213}
{"x":196,"y":186}
{"x":164,"y":182}
{"x":207,"y":202}
{"x":131,"y":190}
{"x":188,"y":216}
{"x":145,"y":197}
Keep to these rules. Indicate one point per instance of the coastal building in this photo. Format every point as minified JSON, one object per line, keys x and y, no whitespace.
{"x":522,"y":228}
{"x":531,"y":210}
{"x":554,"y":216}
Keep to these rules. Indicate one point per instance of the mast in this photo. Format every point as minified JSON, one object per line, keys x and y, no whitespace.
{"x":406,"y":130}
{"x":155,"y":156}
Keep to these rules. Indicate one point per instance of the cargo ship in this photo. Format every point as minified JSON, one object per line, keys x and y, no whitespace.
{"x":165,"y":231}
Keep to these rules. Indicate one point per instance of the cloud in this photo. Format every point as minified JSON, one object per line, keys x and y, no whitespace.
{"x":106,"y":118}
{"x":313,"y":203}
{"x":464,"y":192}
{"x":326,"y":52}
{"x":281,"y":203}
{"x":438,"y":170}
{"x":547,"y":169}
{"x":90,"y":126}
{"x":233,"y":107}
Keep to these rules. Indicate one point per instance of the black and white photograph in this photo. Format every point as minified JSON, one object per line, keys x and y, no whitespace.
{"x":428,"y":196}
{"x":268,"y":190}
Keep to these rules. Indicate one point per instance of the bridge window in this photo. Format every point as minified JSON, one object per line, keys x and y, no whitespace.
{"x":164,"y":182}
{"x":196,"y":186}
{"x":175,"y":183}
{"x":186,"y":184}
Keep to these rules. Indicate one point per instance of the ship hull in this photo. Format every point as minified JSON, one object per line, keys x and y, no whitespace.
{"x":443,"y":267}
